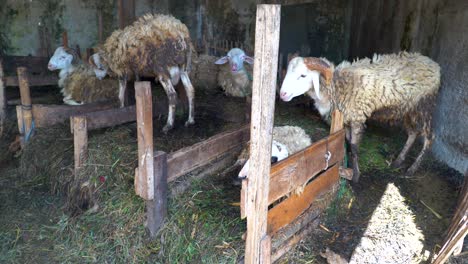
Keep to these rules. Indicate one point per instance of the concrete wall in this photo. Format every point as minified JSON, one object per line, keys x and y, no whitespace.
{"x":436,"y":28}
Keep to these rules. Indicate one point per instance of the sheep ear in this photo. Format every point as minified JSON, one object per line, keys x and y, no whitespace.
{"x":316,"y":83}
{"x":223,"y":60}
{"x":249,"y":60}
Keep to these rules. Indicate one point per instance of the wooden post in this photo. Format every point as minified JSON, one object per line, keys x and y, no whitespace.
{"x":144,"y":178}
{"x":65,"y":39}
{"x":78,"y":51}
{"x":263,"y":105}
{"x":337,"y":122}
{"x":2,"y":99}
{"x":100,"y":27}
{"x":126,"y":12}
{"x":80,"y":141}
{"x":157,"y":208}
{"x":26,"y":106}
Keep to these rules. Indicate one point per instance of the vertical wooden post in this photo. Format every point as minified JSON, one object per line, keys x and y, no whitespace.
{"x":100,"y":27}
{"x":65,"y":39}
{"x":26,"y":107}
{"x":336,"y":121}
{"x":2,"y":99}
{"x":157,"y":208}
{"x":261,"y":128}
{"x":126,"y":12}
{"x":144,"y":178}
{"x":80,"y":141}
{"x":78,"y":51}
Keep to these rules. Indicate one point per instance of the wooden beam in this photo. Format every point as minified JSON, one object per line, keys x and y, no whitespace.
{"x":49,"y":115}
{"x":263,"y":106}
{"x":157,"y":208}
{"x":144,"y":178}
{"x":80,"y":141}
{"x":110,"y":117}
{"x":190,"y":158}
{"x":285,"y":212}
{"x":33,"y":80}
{"x":126,"y":12}
{"x":2,"y":99}
{"x":100,"y":27}
{"x":336,"y":121}
{"x":65,"y":39}
{"x":35,"y":64}
{"x":299,"y":168}
{"x":27,"y":114}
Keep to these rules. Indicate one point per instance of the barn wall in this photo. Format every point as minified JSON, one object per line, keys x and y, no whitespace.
{"x":436,"y":28}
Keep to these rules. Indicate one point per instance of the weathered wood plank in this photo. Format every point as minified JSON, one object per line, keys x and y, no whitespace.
{"x":286,"y":211}
{"x":35,"y":64}
{"x":2,"y":99}
{"x":48,"y":115}
{"x":299,"y":168}
{"x":80,"y":141}
{"x":34,"y":80}
{"x":144,"y":178}
{"x":187,"y":159}
{"x":65,"y":39}
{"x":157,"y":208}
{"x":126,"y":10}
{"x":336,"y":121}
{"x":263,"y":105}
{"x":27,"y":115}
{"x":110,"y":117}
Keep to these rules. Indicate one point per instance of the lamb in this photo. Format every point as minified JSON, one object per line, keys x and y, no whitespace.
{"x":393,"y":88}
{"x":236,"y":80}
{"x":154,"y":45}
{"x":287,"y":140}
{"x":77,"y":81}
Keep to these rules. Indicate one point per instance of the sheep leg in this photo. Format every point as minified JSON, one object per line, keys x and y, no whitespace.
{"x":190,"y":91}
{"x":172,"y":96}
{"x":356,"y":135}
{"x":402,"y":156}
{"x":122,"y":90}
{"x":427,"y":144}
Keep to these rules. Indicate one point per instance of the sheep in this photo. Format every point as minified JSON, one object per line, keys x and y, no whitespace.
{"x":393,"y":88}
{"x":154,"y":45}
{"x":287,"y":140}
{"x":236,"y":80}
{"x":77,"y":81}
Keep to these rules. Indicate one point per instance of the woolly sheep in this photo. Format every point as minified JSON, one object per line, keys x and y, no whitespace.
{"x":287,"y":140}
{"x":77,"y":81}
{"x":236,"y":80}
{"x":154,"y":45}
{"x":394,"y":88}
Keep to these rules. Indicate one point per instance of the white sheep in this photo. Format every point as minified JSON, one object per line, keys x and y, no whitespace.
{"x":78,"y":82}
{"x":236,"y":80}
{"x":394,"y":88}
{"x":154,"y":45}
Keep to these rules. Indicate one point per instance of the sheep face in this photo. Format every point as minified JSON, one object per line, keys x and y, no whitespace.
{"x":298,"y":80}
{"x":278,"y":152}
{"x":99,"y":68}
{"x":62,"y":59}
{"x":236,"y":58}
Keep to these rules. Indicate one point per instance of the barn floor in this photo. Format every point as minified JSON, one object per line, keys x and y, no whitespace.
{"x":203,"y":226}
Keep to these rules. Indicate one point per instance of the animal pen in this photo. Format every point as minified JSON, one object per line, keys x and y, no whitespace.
{"x":288,"y":220}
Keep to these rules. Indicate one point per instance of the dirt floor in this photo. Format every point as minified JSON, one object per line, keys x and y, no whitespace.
{"x":386,"y":218}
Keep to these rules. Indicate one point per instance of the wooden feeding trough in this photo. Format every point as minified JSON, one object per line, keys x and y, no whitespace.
{"x":315,"y":168}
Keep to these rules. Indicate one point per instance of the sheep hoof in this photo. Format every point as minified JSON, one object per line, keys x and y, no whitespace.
{"x":189,"y":122}
{"x":166,"y":128}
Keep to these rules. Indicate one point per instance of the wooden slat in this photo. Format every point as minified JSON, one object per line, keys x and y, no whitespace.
{"x":34,"y":80}
{"x":35,"y":64}
{"x":336,"y":121}
{"x":2,"y":99}
{"x":157,"y":208}
{"x":267,"y":30}
{"x":65,"y":39}
{"x":80,"y":141}
{"x":49,"y":115}
{"x":25,"y":104}
{"x":299,"y":168}
{"x":285,"y":212}
{"x":187,"y":159}
{"x":110,"y":117}
{"x":144,"y":178}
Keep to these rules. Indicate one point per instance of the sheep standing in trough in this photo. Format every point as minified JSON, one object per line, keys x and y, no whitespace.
{"x":78,"y":83}
{"x":236,"y":80}
{"x":394,"y":88}
{"x":154,"y":45}
{"x":287,"y":140}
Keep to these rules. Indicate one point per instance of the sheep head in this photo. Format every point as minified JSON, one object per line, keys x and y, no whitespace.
{"x":278,"y":152}
{"x":63,"y":58}
{"x":236,"y":58}
{"x":302,"y":74}
{"x":99,"y":66}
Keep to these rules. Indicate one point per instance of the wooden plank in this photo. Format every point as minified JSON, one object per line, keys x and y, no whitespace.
{"x":27,"y":115}
{"x":34,"y":80}
{"x":64,"y":39}
{"x":35,"y":64}
{"x":80,"y":141}
{"x":49,"y":115}
{"x":110,"y":117}
{"x":300,"y":167}
{"x":126,"y":10}
{"x":265,"y":250}
{"x":336,"y":121}
{"x":187,"y":159}
{"x":144,"y":178}
{"x":100,"y":27}
{"x":2,"y":99}
{"x":285,"y":212}
{"x":157,"y":208}
{"x":263,"y":107}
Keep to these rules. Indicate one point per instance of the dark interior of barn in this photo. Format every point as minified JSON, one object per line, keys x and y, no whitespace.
{"x":157,"y":131}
